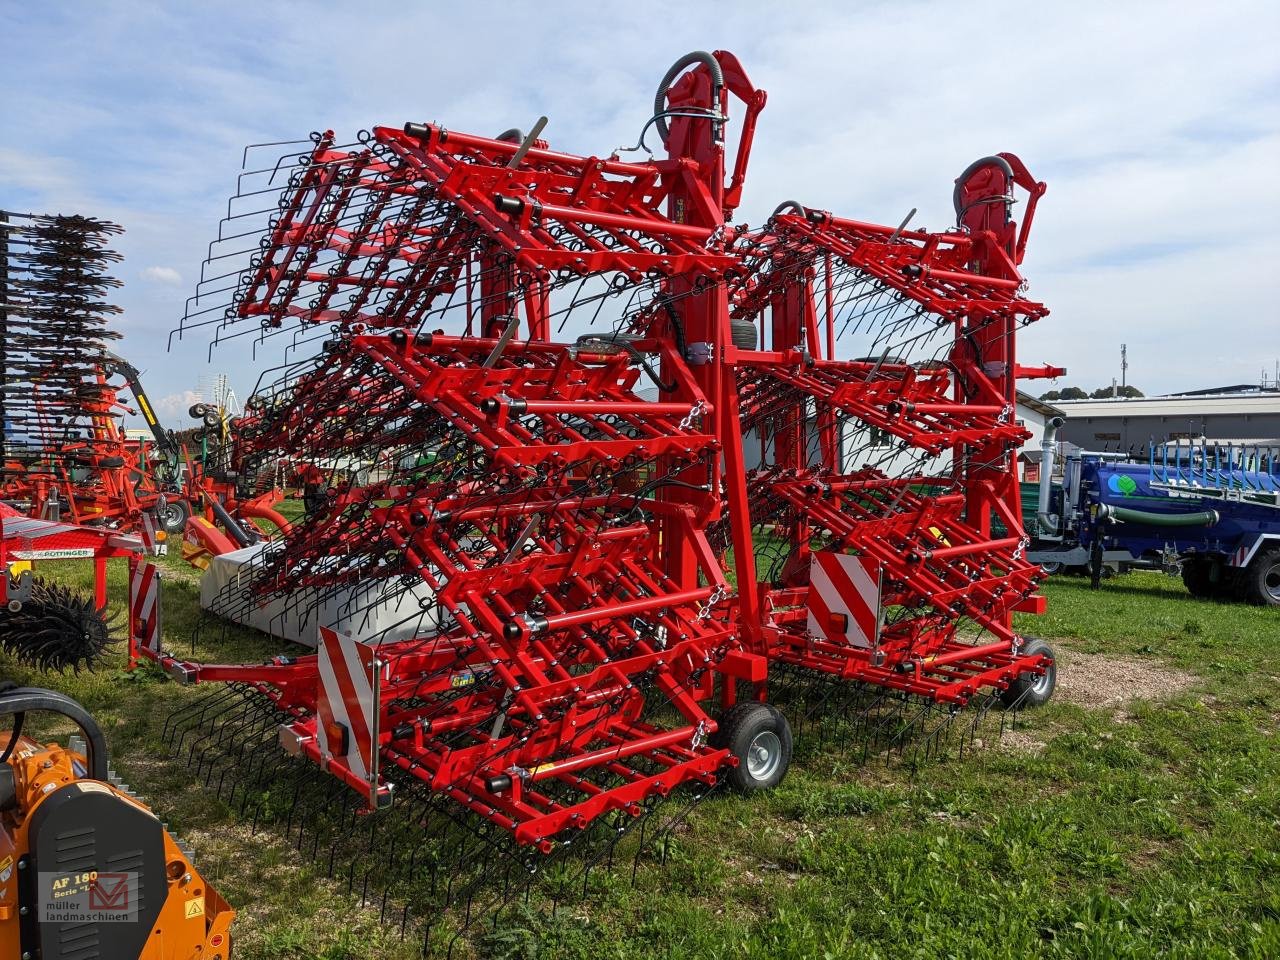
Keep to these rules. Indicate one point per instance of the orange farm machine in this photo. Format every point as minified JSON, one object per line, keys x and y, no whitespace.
{"x":642,"y":480}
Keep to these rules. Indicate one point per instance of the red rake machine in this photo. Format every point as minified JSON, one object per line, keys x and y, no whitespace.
{"x":66,"y":456}
{"x":54,"y":401}
{"x":622,"y":479}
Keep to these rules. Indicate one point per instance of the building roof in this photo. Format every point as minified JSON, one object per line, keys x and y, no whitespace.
{"x":1178,"y":405}
{"x":1242,"y":388}
{"x":1042,"y":407}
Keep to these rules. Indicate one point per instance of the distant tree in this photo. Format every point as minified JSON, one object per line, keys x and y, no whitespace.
{"x":1104,"y":393}
{"x":1051,"y":395}
{"x":1072,"y":393}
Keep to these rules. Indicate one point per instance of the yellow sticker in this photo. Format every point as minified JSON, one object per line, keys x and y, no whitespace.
{"x":6,"y":863}
{"x":195,"y":908}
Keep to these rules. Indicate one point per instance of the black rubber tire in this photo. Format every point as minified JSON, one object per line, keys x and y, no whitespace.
{"x":174,"y":516}
{"x":1051,"y":568}
{"x":198,"y":410}
{"x":741,"y":727}
{"x":1029,"y":690}
{"x":1261,"y":579}
{"x":744,"y":334}
{"x":1197,"y":577}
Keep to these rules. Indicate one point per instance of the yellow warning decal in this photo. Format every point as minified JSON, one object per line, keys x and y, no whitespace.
{"x":195,"y":908}
{"x":5,"y":864}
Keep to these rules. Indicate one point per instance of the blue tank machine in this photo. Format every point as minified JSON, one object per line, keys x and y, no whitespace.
{"x":1209,"y":512}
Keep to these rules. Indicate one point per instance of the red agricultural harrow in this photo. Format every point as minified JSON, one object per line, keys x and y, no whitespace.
{"x":607,"y":431}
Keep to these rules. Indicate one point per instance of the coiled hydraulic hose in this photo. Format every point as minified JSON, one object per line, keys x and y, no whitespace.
{"x":660,"y":98}
{"x":970,"y":170}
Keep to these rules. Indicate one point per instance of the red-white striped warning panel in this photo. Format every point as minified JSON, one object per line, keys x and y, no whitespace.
{"x":347,"y":707}
{"x":144,"y":606}
{"x":153,"y":545}
{"x":844,"y":599}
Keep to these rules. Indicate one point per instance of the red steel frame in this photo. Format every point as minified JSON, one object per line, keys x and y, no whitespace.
{"x":32,"y":540}
{"x":583,"y":570}
{"x":118,"y":484}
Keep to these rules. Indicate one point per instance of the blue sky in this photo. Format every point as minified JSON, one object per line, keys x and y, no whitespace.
{"x":1156,"y":126}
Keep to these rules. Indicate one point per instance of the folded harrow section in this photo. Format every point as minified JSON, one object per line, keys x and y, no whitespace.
{"x":890,"y":541}
{"x":406,"y":228}
{"x":564,"y":675}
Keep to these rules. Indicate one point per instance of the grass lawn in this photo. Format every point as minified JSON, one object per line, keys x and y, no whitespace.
{"x":1106,"y":826}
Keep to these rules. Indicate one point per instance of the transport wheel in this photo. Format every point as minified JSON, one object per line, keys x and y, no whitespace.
{"x":760,"y":737}
{"x":1262,"y":580}
{"x":1050,"y":567}
{"x":173,"y":516}
{"x":744,"y":334}
{"x":1197,"y":576}
{"x":1029,"y":690}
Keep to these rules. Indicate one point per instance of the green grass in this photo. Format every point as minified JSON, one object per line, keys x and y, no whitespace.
{"x":1148,"y":831}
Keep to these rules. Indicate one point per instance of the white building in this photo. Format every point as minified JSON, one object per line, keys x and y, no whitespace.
{"x":1230,"y":415}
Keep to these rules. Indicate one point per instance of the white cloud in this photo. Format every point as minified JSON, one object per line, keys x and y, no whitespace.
{"x":1157,"y":133}
{"x":166,"y":275}
{"x":177,"y":404}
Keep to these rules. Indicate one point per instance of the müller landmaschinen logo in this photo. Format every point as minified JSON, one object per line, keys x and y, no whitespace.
{"x":88,"y":897}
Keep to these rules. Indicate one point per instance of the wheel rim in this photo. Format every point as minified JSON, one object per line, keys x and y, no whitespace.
{"x":171,"y":514}
{"x":1271,"y":582}
{"x":1051,"y":567}
{"x":1043,"y":684}
{"x":764,"y":755}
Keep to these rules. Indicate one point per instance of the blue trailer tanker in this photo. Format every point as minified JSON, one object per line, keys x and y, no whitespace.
{"x":1209,"y":512}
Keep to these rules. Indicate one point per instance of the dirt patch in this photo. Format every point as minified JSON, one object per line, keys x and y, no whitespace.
{"x":1096,"y":680}
{"x":1020,"y":741}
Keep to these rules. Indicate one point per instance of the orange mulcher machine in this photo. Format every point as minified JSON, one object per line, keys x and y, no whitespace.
{"x":86,"y":869}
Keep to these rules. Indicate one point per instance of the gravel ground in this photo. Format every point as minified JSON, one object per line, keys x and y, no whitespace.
{"x":1095,"y":680}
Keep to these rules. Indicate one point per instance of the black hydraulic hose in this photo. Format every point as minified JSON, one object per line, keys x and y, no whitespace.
{"x":23,"y":699}
{"x":636,"y":355}
{"x":238,"y":533}
{"x":677,"y":326}
{"x":14,"y":736}
{"x":16,"y":732}
{"x":717,"y":84}
{"x":1198,"y":518}
{"x":653,"y":485}
{"x":789,"y":205}
{"x":969,"y":171}
{"x":511,"y":135}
